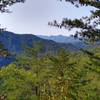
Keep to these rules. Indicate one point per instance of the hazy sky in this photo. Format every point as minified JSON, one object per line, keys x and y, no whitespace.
{"x":33,"y":16}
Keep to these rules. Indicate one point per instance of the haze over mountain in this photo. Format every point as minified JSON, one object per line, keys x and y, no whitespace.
{"x":65,"y":39}
{"x":79,"y":44}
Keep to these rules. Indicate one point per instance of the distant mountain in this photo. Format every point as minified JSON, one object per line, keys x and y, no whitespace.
{"x":59,"y":38}
{"x":15,"y":43}
{"x":65,"y":39}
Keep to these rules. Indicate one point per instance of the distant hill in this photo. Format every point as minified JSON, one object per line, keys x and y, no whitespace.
{"x":66,"y":39}
{"x":15,"y":43}
{"x":60,"y":38}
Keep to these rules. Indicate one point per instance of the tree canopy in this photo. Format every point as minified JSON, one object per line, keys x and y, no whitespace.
{"x":60,"y":77}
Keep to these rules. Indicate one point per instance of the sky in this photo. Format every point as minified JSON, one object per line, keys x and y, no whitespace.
{"x":32,"y":17}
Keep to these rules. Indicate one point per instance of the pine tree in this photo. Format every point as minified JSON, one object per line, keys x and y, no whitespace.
{"x":88,"y":25}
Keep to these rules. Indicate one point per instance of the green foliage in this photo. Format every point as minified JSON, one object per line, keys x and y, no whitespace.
{"x":65,"y":76}
{"x":16,"y":84}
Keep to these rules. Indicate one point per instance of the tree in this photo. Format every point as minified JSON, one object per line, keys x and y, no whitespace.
{"x":16,"y":84}
{"x":59,"y":77}
{"x":88,"y":25}
{"x":31,"y":61}
{"x":5,"y":3}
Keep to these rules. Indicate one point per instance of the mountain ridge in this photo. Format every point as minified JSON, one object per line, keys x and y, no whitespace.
{"x":14,"y":43}
{"x":10,"y":39}
{"x":65,"y":39}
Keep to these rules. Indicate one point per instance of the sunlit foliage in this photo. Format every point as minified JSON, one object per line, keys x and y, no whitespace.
{"x":66,"y":76}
